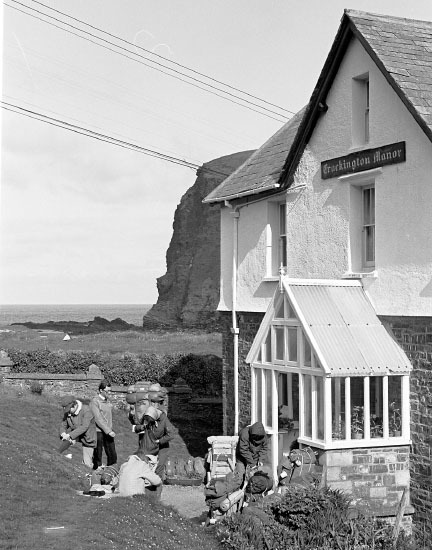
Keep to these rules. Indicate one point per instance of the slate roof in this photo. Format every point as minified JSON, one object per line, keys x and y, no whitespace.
{"x":401,"y":48}
{"x":262,"y":171}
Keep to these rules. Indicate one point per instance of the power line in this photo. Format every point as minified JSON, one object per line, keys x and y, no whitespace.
{"x":161,"y":56}
{"x":264,"y":110}
{"x":105,"y":138}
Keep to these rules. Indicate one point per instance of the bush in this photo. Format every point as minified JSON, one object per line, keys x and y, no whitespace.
{"x":36,"y":387}
{"x":203,"y":373}
{"x":306,"y":518}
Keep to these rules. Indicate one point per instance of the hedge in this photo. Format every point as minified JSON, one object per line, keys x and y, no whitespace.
{"x":203,"y":373}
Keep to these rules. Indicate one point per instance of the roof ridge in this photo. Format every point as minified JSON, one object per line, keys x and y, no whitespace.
{"x":393,"y":18}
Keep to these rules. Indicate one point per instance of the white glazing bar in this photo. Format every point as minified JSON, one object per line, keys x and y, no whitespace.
{"x":253,"y":395}
{"x":347,"y":408}
{"x":301,"y":405}
{"x":366,"y":406}
{"x":385,"y":408}
{"x":275,"y":424}
{"x":328,"y":410}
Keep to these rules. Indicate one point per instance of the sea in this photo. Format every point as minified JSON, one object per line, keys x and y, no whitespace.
{"x":131,"y":313}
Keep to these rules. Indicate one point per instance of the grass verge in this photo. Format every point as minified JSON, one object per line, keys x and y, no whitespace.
{"x":39,"y":491}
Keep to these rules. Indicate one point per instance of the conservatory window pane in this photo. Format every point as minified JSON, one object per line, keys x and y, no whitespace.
{"x":282,"y":389}
{"x":307,"y":352}
{"x":280,"y":342}
{"x":395,"y":405}
{"x":268,"y":396}
{"x":290,"y":311}
{"x":308,"y":405}
{"x":375,"y":403}
{"x":295,"y":395}
{"x":258,"y":396}
{"x":320,"y":407}
{"x":288,"y":388}
{"x":292,"y":344}
{"x":338,"y":408}
{"x":267,"y":347}
{"x":280,"y":311}
{"x":357,"y":408}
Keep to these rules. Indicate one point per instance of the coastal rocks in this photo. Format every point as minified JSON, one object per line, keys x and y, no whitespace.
{"x":99,"y":324}
{"x":189,"y":290}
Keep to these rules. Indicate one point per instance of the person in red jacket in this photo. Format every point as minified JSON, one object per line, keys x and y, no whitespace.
{"x":78,"y":425}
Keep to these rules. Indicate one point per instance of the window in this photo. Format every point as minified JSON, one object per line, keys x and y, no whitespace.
{"x":360,"y":110}
{"x":276,"y":238}
{"x":368,"y":195}
{"x":282,"y":236}
{"x":362,"y":223}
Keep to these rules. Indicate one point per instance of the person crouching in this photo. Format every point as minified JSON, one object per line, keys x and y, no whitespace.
{"x":137,"y":474}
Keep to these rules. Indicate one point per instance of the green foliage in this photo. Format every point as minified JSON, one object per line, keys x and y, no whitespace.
{"x":306,"y":518}
{"x":36,"y":387}
{"x":203,"y":373}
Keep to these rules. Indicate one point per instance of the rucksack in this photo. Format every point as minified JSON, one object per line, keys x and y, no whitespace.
{"x":259,"y":483}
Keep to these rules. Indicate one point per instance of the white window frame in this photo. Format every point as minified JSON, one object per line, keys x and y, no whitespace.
{"x":368,"y":225}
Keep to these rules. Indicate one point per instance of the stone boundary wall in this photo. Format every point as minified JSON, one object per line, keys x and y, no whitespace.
{"x":179,"y":403}
{"x":414,"y":335}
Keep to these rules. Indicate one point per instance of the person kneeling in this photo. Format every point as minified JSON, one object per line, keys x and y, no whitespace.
{"x":137,"y":474}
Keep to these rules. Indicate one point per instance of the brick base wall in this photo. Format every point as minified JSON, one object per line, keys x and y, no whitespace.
{"x":414,"y":335}
{"x":249,"y":324}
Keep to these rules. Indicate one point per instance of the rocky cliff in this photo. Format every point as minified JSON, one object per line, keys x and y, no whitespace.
{"x":189,"y":290}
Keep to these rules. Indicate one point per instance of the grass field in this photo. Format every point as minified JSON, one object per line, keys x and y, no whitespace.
{"x":159,"y":342}
{"x":40,"y":505}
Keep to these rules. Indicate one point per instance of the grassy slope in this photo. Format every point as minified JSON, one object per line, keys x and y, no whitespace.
{"x":158,"y":342}
{"x":39,"y":491}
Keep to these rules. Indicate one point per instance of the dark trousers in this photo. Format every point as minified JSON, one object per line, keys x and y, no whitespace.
{"x":104,"y":442}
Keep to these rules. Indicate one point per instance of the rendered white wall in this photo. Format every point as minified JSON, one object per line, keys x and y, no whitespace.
{"x":318,"y":216}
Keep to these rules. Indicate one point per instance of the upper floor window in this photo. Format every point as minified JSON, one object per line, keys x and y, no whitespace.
{"x":360,"y":110}
{"x":368,"y":194}
{"x":282,"y":236}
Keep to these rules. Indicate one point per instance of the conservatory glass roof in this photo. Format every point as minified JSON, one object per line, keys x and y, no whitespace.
{"x":341,"y":326}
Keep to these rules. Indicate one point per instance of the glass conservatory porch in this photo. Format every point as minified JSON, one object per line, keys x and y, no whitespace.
{"x":325,"y":372}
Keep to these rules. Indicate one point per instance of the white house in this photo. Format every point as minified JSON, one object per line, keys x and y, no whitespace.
{"x":326,"y":261}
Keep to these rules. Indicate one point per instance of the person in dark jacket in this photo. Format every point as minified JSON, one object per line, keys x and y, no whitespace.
{"x":102,"y":412}
{"x":253,"y":448}
{"x":154,"y":429}
{"x":78,"y":425}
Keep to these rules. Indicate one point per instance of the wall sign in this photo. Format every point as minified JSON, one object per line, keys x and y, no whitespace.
{"x":363,"y":160}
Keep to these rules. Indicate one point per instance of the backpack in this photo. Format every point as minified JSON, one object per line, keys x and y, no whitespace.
{"x":259,"y":483}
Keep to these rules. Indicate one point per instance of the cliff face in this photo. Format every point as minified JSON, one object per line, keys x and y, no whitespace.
{"x":189,"y":290}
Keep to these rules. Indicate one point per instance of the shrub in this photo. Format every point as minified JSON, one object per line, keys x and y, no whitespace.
{"x":203,"y":373}
{"x":36,"y":387}
{"x":306,"y":518}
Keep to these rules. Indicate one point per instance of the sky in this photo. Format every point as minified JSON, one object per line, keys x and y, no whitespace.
{"x":87,"y":222}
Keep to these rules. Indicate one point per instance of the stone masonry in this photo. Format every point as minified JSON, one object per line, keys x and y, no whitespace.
{"x":414,"y":335}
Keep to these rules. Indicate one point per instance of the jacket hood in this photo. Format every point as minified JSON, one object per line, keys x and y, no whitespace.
{"x":257,"y":429}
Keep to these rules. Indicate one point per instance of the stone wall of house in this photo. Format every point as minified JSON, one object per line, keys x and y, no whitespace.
{"x":374,"y":477}
{"x":414,"y":334}
{"x":249,"y":324}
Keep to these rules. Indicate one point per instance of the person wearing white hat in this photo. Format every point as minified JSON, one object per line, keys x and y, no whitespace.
{"x":137,"y":474}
